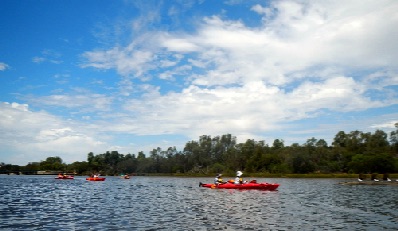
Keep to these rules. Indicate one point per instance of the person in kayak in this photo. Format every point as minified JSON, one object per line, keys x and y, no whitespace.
{"x":218,"y":179}
{"x":238,"y":179}
{"x":94,"y":175}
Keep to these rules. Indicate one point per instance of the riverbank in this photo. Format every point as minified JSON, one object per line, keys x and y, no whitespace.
{"x":370,"y":182}
{"x":310,"y":175}
{"x":246,"y":175}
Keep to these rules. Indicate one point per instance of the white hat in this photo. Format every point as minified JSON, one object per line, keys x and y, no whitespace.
{"x":239,"y":173}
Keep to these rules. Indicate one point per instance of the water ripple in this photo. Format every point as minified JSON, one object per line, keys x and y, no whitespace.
{"x":159,"y":203}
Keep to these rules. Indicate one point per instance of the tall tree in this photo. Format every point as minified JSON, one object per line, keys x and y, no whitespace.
{"x":53,"y":163}
{"x":340,"y":140}
{"x":394,"y":139}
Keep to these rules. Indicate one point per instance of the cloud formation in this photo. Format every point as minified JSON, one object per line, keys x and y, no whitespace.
{"x":38,"y":134}
{"x":304,"y":57}
{"x":294,"y":70}
{"x":3,"y":66}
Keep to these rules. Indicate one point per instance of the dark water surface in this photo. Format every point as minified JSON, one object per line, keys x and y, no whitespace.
{"x":161,"y":203}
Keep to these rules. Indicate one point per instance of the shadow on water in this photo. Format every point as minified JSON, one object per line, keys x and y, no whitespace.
{"x":161,"y":203}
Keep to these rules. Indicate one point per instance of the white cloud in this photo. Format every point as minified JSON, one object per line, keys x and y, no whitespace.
{"x":305,"y":59}
{"x":38,"y":134}
{"x":253,"y":107}
{"x":126,"y":62}
{"x":388,"y":124}
{"x":179,"y":45}
{"x":48,"y":56}
{"x":38,"y":59}
{"x":83,"y":100}
{"x":239,"y":78}
{"x":340,"y":94}
{"x":261,"y":10}
{"x":3,"y":66}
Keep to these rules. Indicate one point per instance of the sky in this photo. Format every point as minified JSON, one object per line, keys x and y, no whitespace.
{"x":82,"y":76}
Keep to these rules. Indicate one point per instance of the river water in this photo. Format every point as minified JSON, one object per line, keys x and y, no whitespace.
{"x":162,"y":203}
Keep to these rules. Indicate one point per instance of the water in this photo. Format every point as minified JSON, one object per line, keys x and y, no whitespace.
{"x":161,"y":203}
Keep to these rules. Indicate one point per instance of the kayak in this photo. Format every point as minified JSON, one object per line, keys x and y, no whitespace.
{"x":65,"y":177}
{"x":124,"y":176}
{"x":250,"y":185}
{"x":95,"y":179}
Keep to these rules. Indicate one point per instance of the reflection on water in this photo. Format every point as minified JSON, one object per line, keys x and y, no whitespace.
{"x":160,"y":203}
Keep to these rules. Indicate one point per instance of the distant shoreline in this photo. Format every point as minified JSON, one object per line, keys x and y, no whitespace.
{"x":309,"y":175}
{"x":366,"y":177}
{"x":370,"y":182}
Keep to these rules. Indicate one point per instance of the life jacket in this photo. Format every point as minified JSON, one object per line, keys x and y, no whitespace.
{"x":238,"y":180}
{"x":217,"y":180}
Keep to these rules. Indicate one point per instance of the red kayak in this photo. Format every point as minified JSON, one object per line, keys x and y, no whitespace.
{"x":65,"y":177}
{"x":95,"y":179}
{"x":250,"y":185}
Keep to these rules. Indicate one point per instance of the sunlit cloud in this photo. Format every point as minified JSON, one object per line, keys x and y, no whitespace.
{"x":44,"y":133}
{"x":294,"y":66}
{"x":3,"y":66}
{"x":389,"y":124}
{"x":285,"y":69}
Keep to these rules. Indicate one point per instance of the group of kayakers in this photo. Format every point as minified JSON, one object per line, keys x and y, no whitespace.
{"x":125,"y":176}
{"x":60,"y":175}
{"x":64,"y":176}
{"x":238,"y":179}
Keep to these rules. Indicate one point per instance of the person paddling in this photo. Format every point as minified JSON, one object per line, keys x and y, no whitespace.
{"x":238,"y":179}
{"x":218,"y":179}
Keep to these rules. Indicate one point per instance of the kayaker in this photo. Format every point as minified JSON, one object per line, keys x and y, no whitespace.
{"x":238,"y":179}
{"x":218,"y":179}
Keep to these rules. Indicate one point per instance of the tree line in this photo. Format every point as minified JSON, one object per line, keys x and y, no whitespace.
{"x":353,"y":152}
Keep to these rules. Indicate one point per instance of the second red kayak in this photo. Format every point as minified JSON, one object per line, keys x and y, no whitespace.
{"x":64,"y":177}
{"x":249,"y":185}
{"x":95,"y":179}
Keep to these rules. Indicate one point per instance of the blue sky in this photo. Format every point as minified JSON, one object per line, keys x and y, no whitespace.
{"x":96,"y":76}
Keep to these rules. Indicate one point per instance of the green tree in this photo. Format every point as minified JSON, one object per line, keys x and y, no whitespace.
{"x":340,"y":140}
{"x":394,"y":139}
{"x":303,"y":164}
{"x":378,"y":142}
{"x":128,"y":165}
{"x":359,"y":164}
{"x":79,"y":167}
{"x":31,"y":168}
{"x":278,"y":144}
{"x":53,"y":163}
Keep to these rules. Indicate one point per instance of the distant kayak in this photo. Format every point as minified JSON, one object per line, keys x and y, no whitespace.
{"x":95,"y":179}
{"x":250,"y":185}
{"x":65,"y":177}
